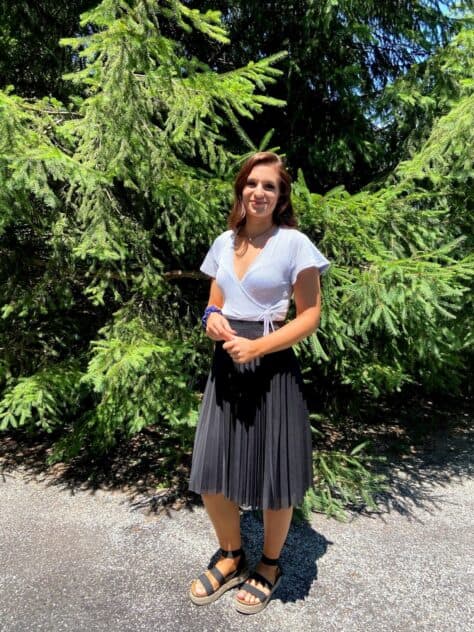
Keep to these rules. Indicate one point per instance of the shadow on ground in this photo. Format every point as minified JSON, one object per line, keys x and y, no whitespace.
{"x":426,"y":444}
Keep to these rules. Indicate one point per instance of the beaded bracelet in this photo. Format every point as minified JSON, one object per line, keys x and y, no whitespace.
{"x":207,"y":312}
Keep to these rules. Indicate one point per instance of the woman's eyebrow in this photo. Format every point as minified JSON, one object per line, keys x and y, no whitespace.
{"x":264,"y":181}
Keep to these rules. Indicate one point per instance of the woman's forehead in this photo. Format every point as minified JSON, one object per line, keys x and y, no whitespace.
{"x":265,"y":172}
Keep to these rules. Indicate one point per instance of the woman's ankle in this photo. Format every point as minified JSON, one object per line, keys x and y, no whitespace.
{"x":231,"y":553}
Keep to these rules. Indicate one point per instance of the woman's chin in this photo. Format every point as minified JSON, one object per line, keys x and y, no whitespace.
{"x":260,"y":213}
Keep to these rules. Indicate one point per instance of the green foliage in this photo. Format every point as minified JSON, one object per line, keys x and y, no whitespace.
{"x":139,"y":378}
{"x":42,"y":400}
{"x":31,"y":58}
{"x":341,"y":56}
{"x":136,"y":379}
{"x":101,"y":202}
{"x":341,"y":481}
{"x":398,"y":302}
{"x":413,"y":102}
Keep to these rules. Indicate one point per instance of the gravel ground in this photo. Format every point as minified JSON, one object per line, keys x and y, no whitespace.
{"x":72,"y":559}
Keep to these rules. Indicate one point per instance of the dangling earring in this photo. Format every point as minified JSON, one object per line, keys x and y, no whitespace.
{"x":243,"y":212}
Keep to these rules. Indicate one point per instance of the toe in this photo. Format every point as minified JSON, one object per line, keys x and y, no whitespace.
{"x":198,"y":589}
{"x":244,"y":596}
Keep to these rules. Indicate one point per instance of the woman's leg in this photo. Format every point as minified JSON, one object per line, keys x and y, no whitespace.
{"x":276,"y":523}
{"x":225,"y":517}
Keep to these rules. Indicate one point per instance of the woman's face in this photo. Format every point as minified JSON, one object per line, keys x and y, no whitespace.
{"x":261,"y":191}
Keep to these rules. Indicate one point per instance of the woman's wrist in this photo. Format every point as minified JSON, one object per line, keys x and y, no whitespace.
{"x":210,"y":309}
{"x":259,"y":347}
{"x":288,"y":335}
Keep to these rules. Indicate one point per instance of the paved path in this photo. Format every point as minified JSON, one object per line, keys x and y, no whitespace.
{"x":87,"y":561}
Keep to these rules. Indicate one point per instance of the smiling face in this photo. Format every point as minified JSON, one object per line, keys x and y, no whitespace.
{"x":261,"y":192}
{"x":262,"y":189}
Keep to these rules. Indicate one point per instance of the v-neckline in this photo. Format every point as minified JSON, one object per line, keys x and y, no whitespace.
{"x":269,"y":240}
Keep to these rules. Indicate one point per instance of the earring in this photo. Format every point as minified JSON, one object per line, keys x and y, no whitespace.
{"x":242,"y":211}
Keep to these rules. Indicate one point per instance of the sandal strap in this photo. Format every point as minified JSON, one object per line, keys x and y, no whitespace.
{"x":217,"y":575}
{"x":261,"y":579}
{"x":255,"y":591}
{"x":232,"y":554}
{"x":269,"y":561}
{"x":206,"y":583}
{"x":221,"y":579}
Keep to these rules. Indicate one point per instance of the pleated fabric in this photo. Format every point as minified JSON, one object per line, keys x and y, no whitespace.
{"x":253,"y":439}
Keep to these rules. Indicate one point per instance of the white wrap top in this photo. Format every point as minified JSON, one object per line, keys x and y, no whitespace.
{"x":264,"y":292}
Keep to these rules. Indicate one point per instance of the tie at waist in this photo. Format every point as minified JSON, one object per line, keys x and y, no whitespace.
{"x":267,"y":322}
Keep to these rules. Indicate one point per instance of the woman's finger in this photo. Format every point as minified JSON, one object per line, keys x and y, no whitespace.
{"x":232,"y":345}
{"x":218,"y":327}
{"x":225,"y":328}
{"x":228,"y":328}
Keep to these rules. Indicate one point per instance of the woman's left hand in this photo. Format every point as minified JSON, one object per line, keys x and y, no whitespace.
{"x":241,"y":350}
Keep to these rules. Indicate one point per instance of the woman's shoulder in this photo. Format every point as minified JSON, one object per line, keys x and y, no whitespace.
{"x":225,"y":236}
{"x":222,"y":239}
{"x":303,"y":252}
{"x":293,"y":236}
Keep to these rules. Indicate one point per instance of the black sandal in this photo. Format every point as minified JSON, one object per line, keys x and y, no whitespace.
{"x":225,"y":582}
{"x":247,"y":608}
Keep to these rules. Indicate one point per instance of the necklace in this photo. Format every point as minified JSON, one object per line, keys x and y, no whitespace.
{"x":254,"y":237}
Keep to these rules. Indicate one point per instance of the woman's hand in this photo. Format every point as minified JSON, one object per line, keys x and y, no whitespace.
{"x":218,"y":327}
{"x":241,"y":350}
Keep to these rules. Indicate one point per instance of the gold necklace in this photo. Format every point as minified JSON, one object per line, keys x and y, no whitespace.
{"x":252,"y":239}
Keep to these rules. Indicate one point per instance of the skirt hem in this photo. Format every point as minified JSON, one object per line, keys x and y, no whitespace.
{"x":246,"y":504}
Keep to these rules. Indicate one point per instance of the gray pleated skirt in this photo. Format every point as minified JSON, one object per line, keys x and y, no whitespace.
{"x":253,"y":439}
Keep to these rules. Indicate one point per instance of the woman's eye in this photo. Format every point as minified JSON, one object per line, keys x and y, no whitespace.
{"x":252,"y":183}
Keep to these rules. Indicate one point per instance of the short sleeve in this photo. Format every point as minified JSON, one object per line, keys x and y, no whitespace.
{"x":307,"y":256}
{"x":210,"y":264}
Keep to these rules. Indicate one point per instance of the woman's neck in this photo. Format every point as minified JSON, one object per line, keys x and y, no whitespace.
{"x":255,"y":228}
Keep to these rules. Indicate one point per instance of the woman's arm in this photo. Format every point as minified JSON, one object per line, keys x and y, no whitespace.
{"x":307,"y":295}
{"x":218,"y":327}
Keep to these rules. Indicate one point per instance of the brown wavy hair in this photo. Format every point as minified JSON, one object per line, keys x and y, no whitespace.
{"x":283,"y":213}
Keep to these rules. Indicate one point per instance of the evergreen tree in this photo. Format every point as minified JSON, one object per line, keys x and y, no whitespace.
{"x":98,"y":204}
{"x":31,"y":58}
{"x":342,"y":54}
{"x":399,"y":308}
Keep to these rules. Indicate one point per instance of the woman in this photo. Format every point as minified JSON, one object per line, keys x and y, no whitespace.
{"x":253,"y":441}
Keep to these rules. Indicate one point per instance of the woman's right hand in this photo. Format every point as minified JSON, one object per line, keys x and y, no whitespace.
{"x":218,"y":327}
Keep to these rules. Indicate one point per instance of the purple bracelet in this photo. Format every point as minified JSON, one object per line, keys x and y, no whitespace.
{"x":207,"y":312}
